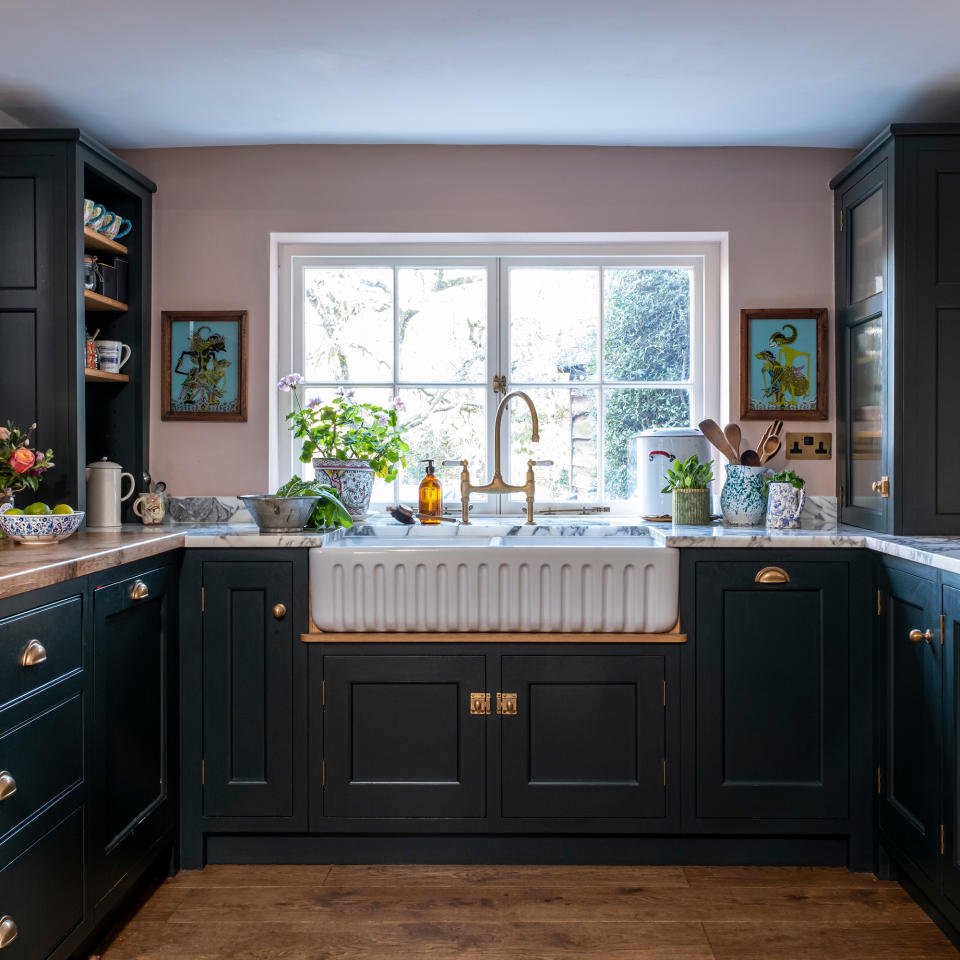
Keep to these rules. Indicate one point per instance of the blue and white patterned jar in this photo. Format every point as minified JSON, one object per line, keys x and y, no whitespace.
{"x":742,"y":501}
{"x":352,"y":479}
{"x":784,"y":505}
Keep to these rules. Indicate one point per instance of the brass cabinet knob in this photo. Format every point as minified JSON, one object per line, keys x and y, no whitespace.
{"x":139,"y":591}
{"x":917,"y":637}
{"x":881,"y":486}
{"x":33,"y":653}
{"x":279,"y":611}
{"x":8,"y":931}
{"x":8,"y":786}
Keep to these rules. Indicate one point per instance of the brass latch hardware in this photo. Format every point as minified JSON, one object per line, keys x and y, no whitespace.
{"x":323,"y":693}
{"x":479,"y":703}
{"x":772,"y":575}
{"x":323,"y":773}
{"x":664,"y":772}
{"x":203,"y":772}
{"x":879,"y":782}
{"x":507,"y":704}
{"x":841,"y":220}
{"x":943,"y":626}
{"x":881,"y":486}
{"x":203,"y":599}
{"x":499,"y":383}
{"x":942,"y":844}
{"x":879,"y":603}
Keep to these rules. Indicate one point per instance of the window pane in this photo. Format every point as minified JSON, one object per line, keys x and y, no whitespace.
{"x":568,"y":436}
{"x":382,"y":492}
{"x":554,"y":323}
{"x":447,"y":424}
{"x":443,"y":324}
{"x":646,"y":323}
{"x":628,"y":411}
{"x":348,"y":323}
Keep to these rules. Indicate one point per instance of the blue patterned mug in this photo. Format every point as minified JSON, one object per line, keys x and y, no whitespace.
{"x":742,"y":501}
{"x":784,"y":505}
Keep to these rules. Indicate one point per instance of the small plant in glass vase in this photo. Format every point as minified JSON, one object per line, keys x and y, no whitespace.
{"x":689,"y":482}
{"x":21,"y":467}
{"x":349,"y":442}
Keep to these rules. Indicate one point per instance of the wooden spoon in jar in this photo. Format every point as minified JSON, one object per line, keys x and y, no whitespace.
{"x":750,"y":458}
{"x":711,"y":430}
{"x":771,"y":448}
{"x":733,"y":434}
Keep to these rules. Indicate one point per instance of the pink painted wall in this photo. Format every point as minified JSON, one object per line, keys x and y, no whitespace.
{"x":216,"y":207}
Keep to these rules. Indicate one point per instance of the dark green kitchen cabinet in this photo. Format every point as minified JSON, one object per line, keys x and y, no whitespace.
{"x":950,"y":880}
{"x":588,"y":738}
{"x":131,"y":807}
{"x":897,"y":281}
{"x":772,"y":697}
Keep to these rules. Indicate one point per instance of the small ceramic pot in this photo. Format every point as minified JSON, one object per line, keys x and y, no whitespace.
{"x":352,"y":479}
{"x":6,"y":502}
{"x":742,"y":500}
{"x":784,"y":506}
{"x":691,"y":506}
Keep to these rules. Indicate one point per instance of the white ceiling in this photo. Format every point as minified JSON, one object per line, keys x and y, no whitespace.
{"x":655,"y":72}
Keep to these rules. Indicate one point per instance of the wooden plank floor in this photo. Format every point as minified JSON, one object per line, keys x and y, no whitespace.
{"x":528,"y":913}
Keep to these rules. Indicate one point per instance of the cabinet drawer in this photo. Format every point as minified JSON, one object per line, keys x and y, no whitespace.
{"x":42,"y":757}
{"x":41,"y":891}
{"x":58,"y":629}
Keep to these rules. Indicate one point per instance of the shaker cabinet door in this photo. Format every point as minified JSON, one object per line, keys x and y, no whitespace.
{"x":771,"y":690}
{"x":910,"y":718}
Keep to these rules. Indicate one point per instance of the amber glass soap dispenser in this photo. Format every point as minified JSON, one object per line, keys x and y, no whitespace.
{"x":431,"y":496}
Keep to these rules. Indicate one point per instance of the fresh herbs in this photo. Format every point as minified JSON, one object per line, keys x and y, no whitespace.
{"x":688,"y":475}
{"x":329,"y":512}
{"x":784,"y":476}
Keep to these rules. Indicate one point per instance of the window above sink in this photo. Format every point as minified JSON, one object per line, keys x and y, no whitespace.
{"x":607,"y":340}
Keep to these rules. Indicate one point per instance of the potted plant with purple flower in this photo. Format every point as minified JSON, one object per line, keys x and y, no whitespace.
{"x":349,"y":442}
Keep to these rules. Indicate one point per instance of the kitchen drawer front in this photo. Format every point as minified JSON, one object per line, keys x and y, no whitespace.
{"x":58,"y":629}
{"x":41,"y":891}
{"x":43,"y":757}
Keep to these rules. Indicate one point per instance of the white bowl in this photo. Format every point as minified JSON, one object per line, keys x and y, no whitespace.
{"x":45,"y":528}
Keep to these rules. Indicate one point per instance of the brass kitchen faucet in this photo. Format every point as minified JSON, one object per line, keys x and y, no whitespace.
{"x":497,"y":484}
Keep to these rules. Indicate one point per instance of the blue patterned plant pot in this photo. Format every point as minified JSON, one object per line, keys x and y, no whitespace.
{"x":742,"y":501}
{"x":784,"y":506}
{"x":352,"y":479}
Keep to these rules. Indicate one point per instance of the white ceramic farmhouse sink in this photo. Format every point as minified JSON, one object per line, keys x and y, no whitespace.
{"x":494,"y":584}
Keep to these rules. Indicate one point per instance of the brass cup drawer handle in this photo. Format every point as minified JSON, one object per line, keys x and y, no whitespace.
{"x":279,"y":611}
{"x":8,"y":931}
{"x":33,"y":653}
{"x":916,"y":636}
{"x":8,"y":786}
{"x":772,"y":575}
{"x":139,"y":591}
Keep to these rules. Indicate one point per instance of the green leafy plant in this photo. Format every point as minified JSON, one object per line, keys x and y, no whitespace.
{"x":784,"y":476}
{"x":346,"y":429}
{"x":20,"y":466}
{"x":688,"y":474}
{"x":329,"y":513}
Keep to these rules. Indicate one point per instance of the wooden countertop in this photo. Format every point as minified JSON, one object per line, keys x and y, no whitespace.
{"x":25,"y":567}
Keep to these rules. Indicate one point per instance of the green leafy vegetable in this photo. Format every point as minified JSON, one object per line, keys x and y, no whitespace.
{"x":784,"y":476}
{"x":688,"y":475}
{"x":329,"y":513}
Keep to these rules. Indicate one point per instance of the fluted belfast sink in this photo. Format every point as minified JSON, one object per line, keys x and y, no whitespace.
{"x":483,"y":582}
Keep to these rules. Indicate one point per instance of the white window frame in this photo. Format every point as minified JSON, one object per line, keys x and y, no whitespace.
{"x":704,"y":253}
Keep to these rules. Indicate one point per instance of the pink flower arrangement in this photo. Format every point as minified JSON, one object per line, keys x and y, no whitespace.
{"x":20,"y":467}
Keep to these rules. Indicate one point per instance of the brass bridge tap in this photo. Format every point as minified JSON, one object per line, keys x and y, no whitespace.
{"x":497,"y":484}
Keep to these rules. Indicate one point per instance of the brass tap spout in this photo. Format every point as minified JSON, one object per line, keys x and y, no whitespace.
{"x":497,"y":484}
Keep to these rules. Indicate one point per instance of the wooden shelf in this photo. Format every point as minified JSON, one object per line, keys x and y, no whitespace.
{"x":97,"y":241}
{"x":101,"y":376}
{"x":96,"y":302}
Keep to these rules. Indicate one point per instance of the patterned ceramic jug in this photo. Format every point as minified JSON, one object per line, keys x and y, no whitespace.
{"x":742,"y":501}
{"x":784,"y":506}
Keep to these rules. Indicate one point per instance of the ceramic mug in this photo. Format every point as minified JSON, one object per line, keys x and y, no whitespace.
{"x":150,"y":508}
{"x":112,"y":355}
{"x":784,"y":505}
{"x":117,"y":227}
{"x":742,"y":501}
{"x":101,"y":221}
{"x":91,"y":211}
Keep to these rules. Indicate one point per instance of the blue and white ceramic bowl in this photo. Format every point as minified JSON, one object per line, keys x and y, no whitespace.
{"x":50,"y":528}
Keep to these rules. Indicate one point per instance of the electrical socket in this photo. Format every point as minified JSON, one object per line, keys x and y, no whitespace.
{"x":809,"y":446}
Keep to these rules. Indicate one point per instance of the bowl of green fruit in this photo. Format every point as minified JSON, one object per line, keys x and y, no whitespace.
{"x":37,"y":523}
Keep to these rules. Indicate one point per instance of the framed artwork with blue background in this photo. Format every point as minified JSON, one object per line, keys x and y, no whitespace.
{"x":203,"y":365}
{"x":783,"y":364}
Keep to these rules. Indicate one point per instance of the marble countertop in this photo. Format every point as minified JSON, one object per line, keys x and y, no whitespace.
{"x":24,"y":568}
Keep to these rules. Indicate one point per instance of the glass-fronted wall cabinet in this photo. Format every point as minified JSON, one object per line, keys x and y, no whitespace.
{"x":897,"y":224}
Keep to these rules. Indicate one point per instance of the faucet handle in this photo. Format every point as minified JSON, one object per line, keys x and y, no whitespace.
{"x":454,"y":463}
{"x":540,"y":463}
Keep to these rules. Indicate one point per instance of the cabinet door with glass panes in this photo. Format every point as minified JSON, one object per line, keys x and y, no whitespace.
{"x":604,"y":347}
{"x":864,"y":464}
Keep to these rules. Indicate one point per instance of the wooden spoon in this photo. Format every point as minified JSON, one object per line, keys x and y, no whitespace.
{"x":763,"y":438}
{"x":711,"y":430}
{"x":750,"y":458}
{"x":733,"y":434}
{"x":770,"y":449}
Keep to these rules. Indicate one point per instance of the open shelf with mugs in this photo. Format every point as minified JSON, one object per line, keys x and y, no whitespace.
{"x":93,"y":240}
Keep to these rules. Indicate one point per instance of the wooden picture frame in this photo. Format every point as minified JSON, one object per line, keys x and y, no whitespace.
{"x":206,"y":389}
{"x":783,"y":364}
